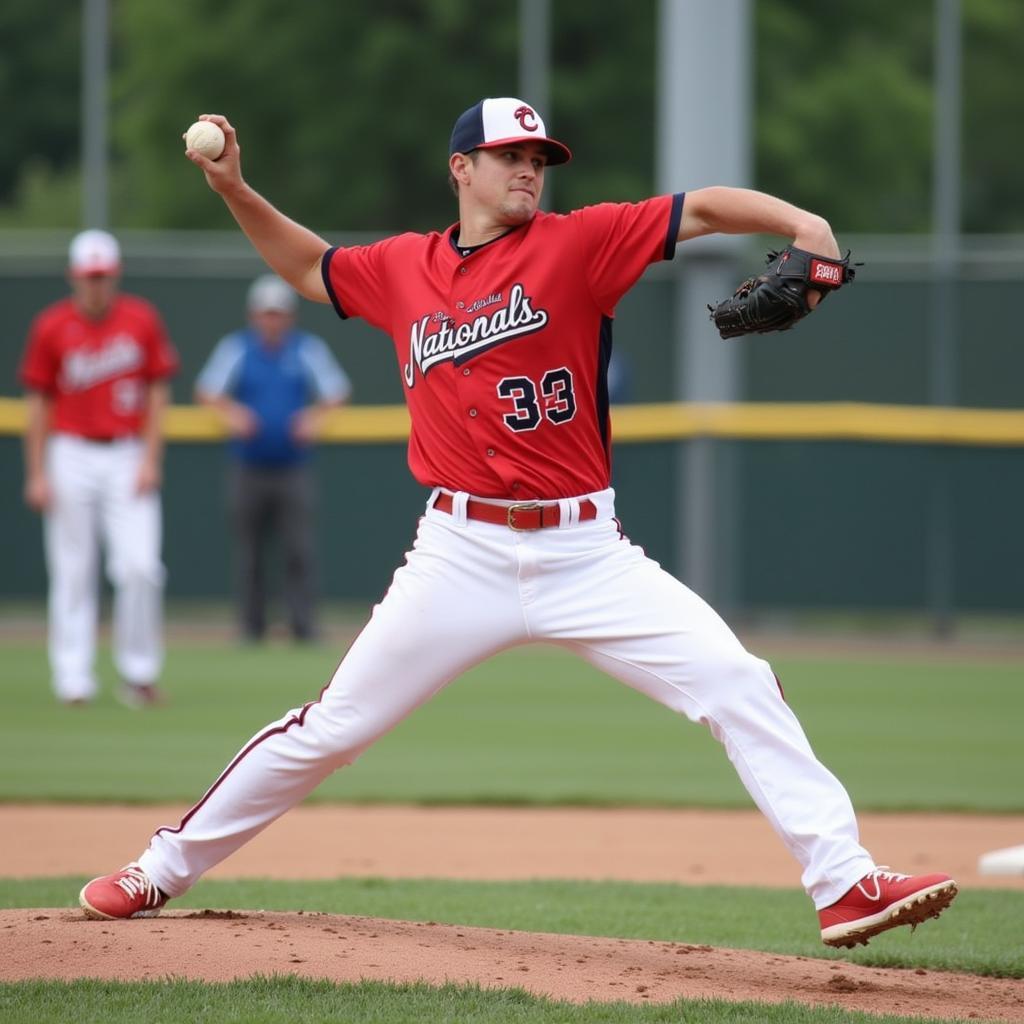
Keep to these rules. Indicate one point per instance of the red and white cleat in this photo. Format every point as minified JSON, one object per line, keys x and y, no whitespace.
{"x":882,"y":900}
{"x":126,"y":893}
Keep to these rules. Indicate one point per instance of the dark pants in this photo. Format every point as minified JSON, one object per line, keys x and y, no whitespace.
{"x":264,"y":503}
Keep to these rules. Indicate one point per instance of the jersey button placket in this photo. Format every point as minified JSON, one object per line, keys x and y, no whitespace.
{"x":472,"y":411}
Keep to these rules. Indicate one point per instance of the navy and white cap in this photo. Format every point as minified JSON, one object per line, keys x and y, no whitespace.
{"x":497,"y":122}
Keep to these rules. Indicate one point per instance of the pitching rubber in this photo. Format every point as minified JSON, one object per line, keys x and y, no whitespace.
{"x":1002,"y":862}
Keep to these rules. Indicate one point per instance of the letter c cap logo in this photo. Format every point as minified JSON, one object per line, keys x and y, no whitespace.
{"x":526,"y":118}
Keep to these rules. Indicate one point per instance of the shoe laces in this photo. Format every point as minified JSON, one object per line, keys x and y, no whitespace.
{"x":884,"y":873}
{"x":135,"y":882}
{"x":881,"y":874}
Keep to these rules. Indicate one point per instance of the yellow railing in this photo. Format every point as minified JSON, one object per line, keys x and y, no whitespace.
{"x":819,"y":421}
{"x":670,"y":421}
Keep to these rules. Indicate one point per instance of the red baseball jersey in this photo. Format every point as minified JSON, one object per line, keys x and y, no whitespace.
{"x":504,"y":348}
{"x":96,"y":371}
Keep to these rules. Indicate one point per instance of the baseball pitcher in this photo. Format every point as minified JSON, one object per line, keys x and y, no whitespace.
{"x":502,"y":327}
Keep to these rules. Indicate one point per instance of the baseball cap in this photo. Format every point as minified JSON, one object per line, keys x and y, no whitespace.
{"x":496,"y":122}
{"x":269,"y":293}
{"x":93,"y":253}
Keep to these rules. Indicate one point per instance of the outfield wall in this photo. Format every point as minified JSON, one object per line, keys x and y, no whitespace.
{"x":822,"y":505}
{"x":869,"y":344}
{"x":826,"y":510}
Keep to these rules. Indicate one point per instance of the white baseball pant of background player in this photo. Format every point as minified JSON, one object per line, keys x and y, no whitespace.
{"x":94,"y":485}
{"x":470,"y":589}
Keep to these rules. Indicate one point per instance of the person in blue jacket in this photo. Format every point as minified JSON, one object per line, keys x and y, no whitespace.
{"x":271,"y":383}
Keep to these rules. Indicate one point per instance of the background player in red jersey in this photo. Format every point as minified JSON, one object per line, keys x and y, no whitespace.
{"x":96,"y":368}
{"x":502,"y":328}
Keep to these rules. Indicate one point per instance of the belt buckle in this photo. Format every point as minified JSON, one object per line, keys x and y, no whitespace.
{"x":523,"y":506}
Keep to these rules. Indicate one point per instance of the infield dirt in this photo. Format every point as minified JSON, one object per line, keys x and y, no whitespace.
{"x":686,"y":847}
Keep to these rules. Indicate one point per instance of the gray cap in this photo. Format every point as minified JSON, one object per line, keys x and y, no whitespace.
{"x":269,"y":293}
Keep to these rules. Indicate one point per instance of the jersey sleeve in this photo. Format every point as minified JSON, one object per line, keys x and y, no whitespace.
{"x":621,"y":240}
{"x":327,"y":379}
{"x":356,"y":278}
{"x":220,"y":371}
{"x":38,"y":370}
{"x":161,"y":356}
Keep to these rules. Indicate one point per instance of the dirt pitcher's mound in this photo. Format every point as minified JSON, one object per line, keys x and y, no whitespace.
{"x":222,"y":945}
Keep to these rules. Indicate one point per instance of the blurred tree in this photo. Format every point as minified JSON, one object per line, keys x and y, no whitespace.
{"x":343,"y":115}
{"x":344,"y":110}
{"x":39,"y":69}
{"x":844,"y":110}
{"x":344,"y":118}
{"x":993,"y":143}
{"x":603,"y":82}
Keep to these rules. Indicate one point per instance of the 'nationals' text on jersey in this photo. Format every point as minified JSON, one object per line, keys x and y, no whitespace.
{"x":503,"y":345}
{"x":427,"y":348}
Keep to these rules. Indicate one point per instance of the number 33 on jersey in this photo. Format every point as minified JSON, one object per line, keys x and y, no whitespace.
{"x":504,"y":348}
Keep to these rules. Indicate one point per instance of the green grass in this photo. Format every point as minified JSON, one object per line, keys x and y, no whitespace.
{"x":979,"y":934}
{"x":277,"y":1000}
{"x":531,"y":726}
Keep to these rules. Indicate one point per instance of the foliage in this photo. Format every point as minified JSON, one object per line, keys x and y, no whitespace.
{"x":39,"y":72}
{"x":992,"y":157}
{"x":343,"y":117}
{"x":844,"y":110}
{"x":44,"y":196}
{"x":602,"y":85}
{"x":344,"y":110}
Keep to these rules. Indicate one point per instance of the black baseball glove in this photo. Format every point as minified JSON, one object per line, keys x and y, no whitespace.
{"x":777,"y":299}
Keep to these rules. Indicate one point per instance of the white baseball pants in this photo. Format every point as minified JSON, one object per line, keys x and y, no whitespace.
{"x":468,"y":590}
{"x":94,"y":501}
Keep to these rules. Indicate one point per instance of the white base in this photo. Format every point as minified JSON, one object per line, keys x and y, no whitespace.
{"x":1002,"y":862}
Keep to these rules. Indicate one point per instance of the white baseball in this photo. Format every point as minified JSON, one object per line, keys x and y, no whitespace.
{"x":205,"y":138}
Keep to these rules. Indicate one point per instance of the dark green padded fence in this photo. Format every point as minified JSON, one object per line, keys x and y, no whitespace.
{"x":814,"y":524}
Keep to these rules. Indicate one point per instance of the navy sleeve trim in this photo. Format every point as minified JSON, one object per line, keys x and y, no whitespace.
{"x":673,"y":225}
{"x":325,"y":273}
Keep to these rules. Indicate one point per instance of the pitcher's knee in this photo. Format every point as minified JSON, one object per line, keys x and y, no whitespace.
{"x":137,"y":573}
{"x":734,"y":672}
{"x":343,"y":736}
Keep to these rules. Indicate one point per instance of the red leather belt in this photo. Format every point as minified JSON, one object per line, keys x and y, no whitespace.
{"x":523,"y":515}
